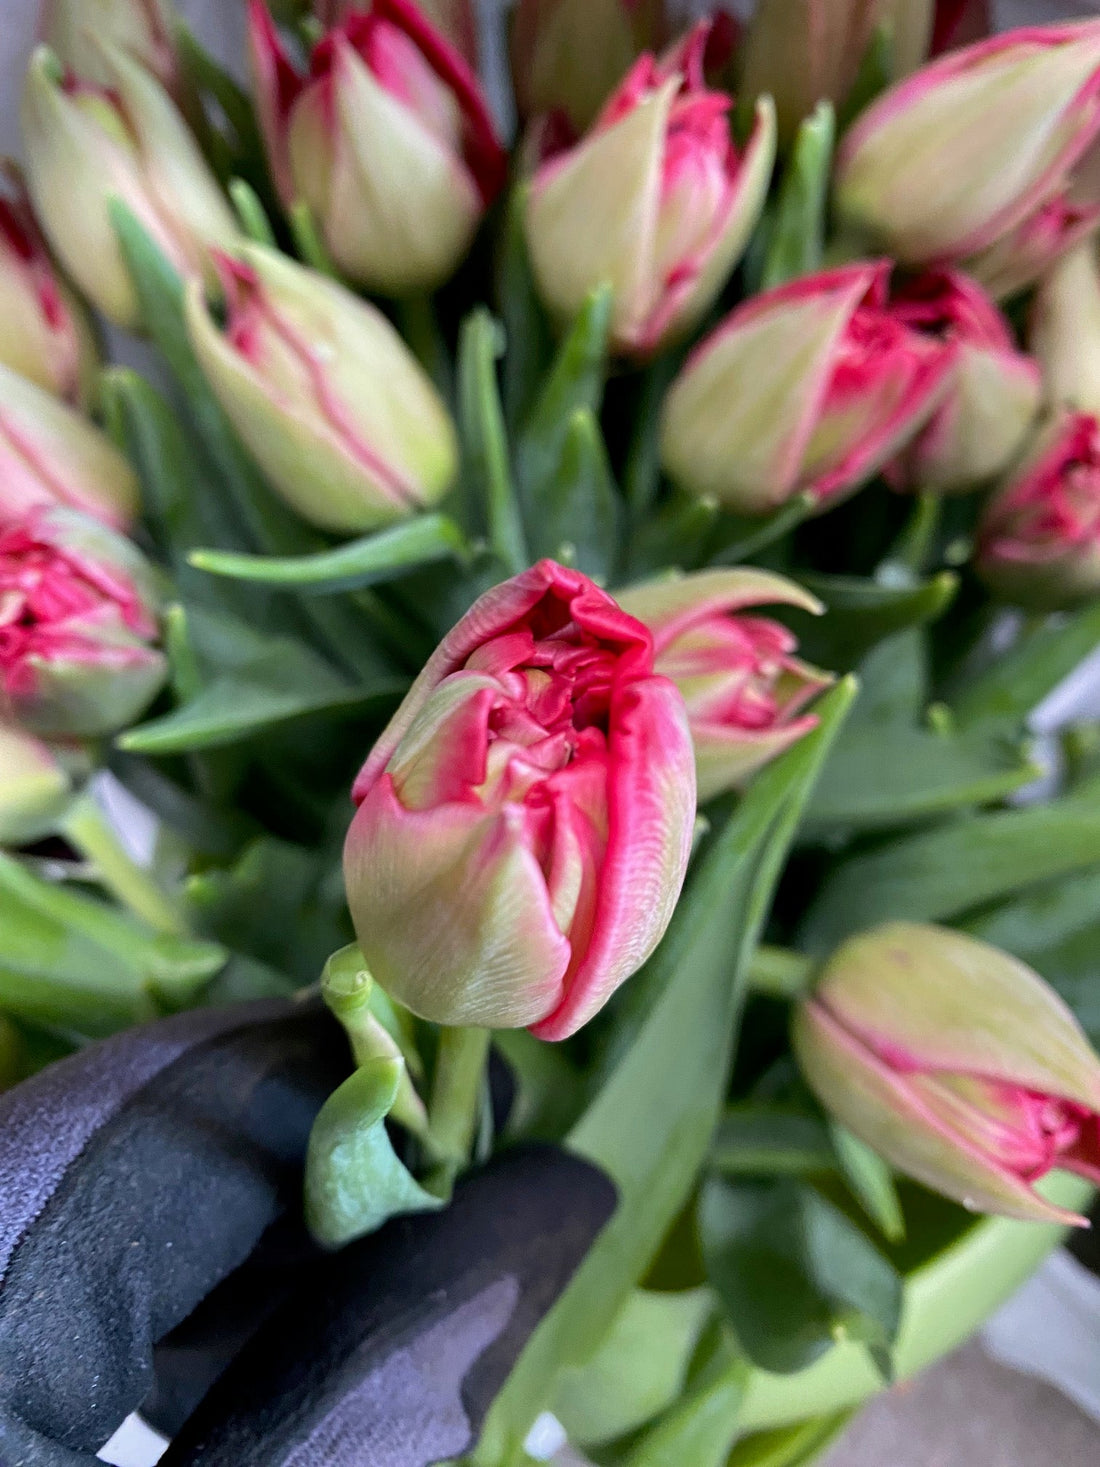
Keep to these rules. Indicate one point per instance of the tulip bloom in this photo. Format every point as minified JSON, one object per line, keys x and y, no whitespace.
{"x":742,"y":685}
{"x":968,"y":149}
{"x":87,"y":145}
{"x":44,"y":335}
{"x":34,"y":787}
{"x":811,"y":387}
{"x":568,"y":56}
{"x":388,"y":140}
{"x":655,"y":201}
{"x":77,"y":623}
{"x":956,"y":1063}
{"x":525,"y":821}
{"x":994,"y":393}
{"x":1039,"y":541}
{"x":454,"y":19}
{"x":1065,"y":332}
{"x":1025,"y":254}
{"x":325,"y":394}
{"x":49,"y":454}
{"x":75,"y":30}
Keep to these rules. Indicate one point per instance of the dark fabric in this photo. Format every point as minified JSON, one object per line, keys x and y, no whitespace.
{"x":390,"y":1353}
{"x":137,"y":1175}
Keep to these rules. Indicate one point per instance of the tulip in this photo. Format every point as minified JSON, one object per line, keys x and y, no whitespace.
{"x":806,"y":51}
{"x":953,"y":159}
{"x":87,"y":145}
{"x":389,"y":142}
{"x":325,"y":394}
{"x":77,"y":623}
{"x":956,"y":1063}
{"x":49,"y":454}
{"x":743,"y":688}
{"x":144,"y":29}
{"x":1025,"y":254}
{"x":655,"y":201}
{"x":454,"y":19}
{"x":34,"y":787}
{"x":44,"y":334}
{"x":811,"y":387}
{"x":994,"y":393}
{"x":1038,"y":543}
{"x":524,"y":823}
{"x":910,"y":25}
{"x":1065,"y":332}
{"x":568,"y":56}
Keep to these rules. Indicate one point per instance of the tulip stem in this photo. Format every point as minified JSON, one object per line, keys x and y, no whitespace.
{"x":87,"y":829}
{"x":456,"y":1090}
{"x":780,"y":973}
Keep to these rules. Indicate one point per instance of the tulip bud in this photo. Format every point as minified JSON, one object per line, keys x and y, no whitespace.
{"x":950,"y":161}
{"x":324,"y":393}
{"x":743,"y":688}
{"x":568,"y":56}
{"x":1038,"y":543}
{"x":911,"y":25}
{"x":956,"y":1063}
{"x":1026,"y":253}
{"x":35,"y":787}
{"x":77,"y":620}
{"x":454,"y":19}
{"x":49,"y":454}
{"x":44,"y":334}
{"x":525,"y":821}
{"x":994,"y":390}
{"x":143,"y":29}
{"x":87,"y":145}
{"x":811,"y":387}
{"x":1065,"y":331}
{"x":802,"y":52}
{"x":655,"y":201}
{"x":388,"y":140}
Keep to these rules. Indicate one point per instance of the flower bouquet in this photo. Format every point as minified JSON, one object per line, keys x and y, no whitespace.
{"x":526,"y":869}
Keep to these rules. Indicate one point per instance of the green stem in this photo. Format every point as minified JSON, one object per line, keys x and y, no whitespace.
{"x":779,"y":973}
{"x":456,"y":1090}
{"x":87,"y":829}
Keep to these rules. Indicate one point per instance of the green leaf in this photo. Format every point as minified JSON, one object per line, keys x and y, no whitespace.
{"x":741,"y":538}
{"x":754,"y":1138}
{"x":575,"y":382}
{"x":526,"y":328}
{"x":364,"y":562}
{"x":860,"y":614}
{"x":870,"y":1181}
{"x":650,"y":1125}
{"x":74,"y":963}
{"x":485,"y":467}
{"x":876,"y":73}
{"x":1016,"y":681}
{"x":800,"y":1445}
{"x":797,"y":241}
{"x":940,"y":874}
{"x":354,"y":1179}
{"x":794,"y":1273}
{"x":640,"y":1369}
{"x":580,"y":510}
{"x":251,"y":213}
{"x":642,"y":474}
{"x":699,"y":1428}
{"x":676,"y":534}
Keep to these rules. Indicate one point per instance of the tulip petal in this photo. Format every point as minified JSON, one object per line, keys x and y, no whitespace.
{"x":669,"y":605}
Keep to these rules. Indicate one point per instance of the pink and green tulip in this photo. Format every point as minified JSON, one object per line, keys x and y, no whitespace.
{"x":811,"y":387}
{"x":1065,"y":331}
{"x":35,"y":787}
{"x":655,"y":201}
{"x":78,"y":620}
{"x":956,"y":1063}
{"x":143,"y":29}
{"x":744,"y":689}
{"x":524,"y":823}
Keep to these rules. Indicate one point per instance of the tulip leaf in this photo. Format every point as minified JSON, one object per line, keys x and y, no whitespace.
{"x":794,"y":1273}
{"x":251,"y":213}
{"x":797,"y":240}
{"x":870,"y":1182}
{"x":1017,"y":681}
{"x":487,"y":476}
{"x":75,"y":964}
{"x":354,"y":1178}
{"x":642,"y":473}
{"x":676,"y":534}
{"x":687,"y":1004}
{"x":941,"y":874}
{"x":364,"y":562}
{"x":580,"y":510}
{"x":741,"y":538}
{"x":863,"y":612}
{"x":756,"y":1139}
{"x":800,"y":1445}
{"x":701,"y":1426}
{"x":640,"y":1369}
{"x":526,"y":329}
